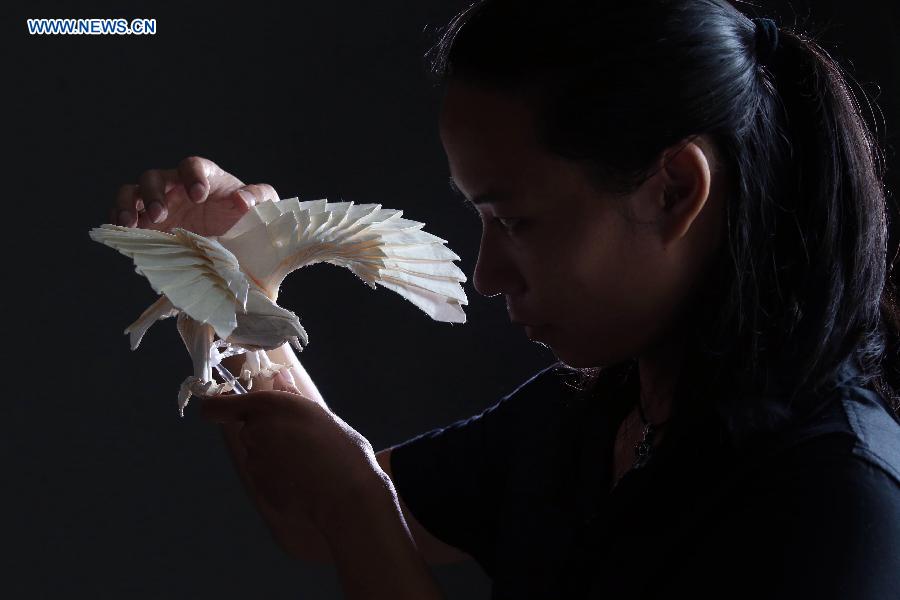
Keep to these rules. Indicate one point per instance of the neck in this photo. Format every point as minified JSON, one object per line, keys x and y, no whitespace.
{"x":658,"y":369}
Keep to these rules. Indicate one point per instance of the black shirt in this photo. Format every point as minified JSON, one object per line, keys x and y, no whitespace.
{"x":524,"y":488}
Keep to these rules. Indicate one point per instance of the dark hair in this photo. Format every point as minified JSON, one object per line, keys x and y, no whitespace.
{"x":801,"y":291}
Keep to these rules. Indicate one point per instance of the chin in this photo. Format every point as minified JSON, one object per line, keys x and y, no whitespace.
{"x":577,"y":364}
{"x":571,"y":355}
{"x":579,"y":357}
{"x":574,"y":360}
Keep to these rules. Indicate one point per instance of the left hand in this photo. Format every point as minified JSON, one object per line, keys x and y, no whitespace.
{"x":304,"y":460}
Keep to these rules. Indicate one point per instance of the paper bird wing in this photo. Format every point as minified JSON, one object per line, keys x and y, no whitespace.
{"x":276,"y":238}
{"x":161,"y":309}
{"x":198,"y":276}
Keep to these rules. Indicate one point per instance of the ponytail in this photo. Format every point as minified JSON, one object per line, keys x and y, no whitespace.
{"x":835,"y":168}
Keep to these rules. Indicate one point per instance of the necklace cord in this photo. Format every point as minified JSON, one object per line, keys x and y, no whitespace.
{"x":640,"y":406}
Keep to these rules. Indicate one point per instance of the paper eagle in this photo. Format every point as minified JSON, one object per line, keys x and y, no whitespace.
{"x":227,"y":285}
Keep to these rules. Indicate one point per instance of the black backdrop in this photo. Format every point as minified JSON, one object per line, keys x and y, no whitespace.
{"x":107,"y":492}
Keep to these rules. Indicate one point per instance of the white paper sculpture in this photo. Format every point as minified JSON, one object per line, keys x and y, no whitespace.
{"x":227,"y":285}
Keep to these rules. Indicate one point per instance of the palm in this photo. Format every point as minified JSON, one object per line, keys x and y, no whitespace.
{"x":215,"y":216}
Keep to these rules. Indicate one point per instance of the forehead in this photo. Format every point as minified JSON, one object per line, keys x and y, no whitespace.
{"x":485,"y":132}
{"x":471,"y":106}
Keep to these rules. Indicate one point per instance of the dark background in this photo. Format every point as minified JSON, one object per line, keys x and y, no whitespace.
{"x":107,"y":492}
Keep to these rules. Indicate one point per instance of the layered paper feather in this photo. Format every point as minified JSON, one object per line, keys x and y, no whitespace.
{"x":227,"y":286}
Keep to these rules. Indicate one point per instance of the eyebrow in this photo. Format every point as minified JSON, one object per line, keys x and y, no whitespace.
{"x":489,"y":196}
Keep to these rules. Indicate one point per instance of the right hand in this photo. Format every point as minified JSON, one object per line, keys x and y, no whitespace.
{"x":197,"y":195}
{"x":201,"y":197}
{"x":297,"y":536}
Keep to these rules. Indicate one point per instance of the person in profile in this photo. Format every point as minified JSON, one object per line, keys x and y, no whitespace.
{"x":686,"y":205}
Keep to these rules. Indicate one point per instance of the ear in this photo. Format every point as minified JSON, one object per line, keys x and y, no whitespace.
{"x":686,"y":180}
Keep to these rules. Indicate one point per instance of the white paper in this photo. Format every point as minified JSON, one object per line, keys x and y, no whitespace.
{"x":228,"y":285}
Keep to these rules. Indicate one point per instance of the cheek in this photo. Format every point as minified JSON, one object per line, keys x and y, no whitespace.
{"x":595,"y":268}
{"x":605,"y":283}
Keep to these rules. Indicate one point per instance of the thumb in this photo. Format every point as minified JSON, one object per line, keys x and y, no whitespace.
{"x":250,"y":195}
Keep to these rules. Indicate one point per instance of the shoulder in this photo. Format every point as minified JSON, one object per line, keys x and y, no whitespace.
{"x":836,"y":468}
{"x":854,"y":433}
{"x":553,"y":377}
{"x":819,"y":516}
{"x":833,"y":478}
{"x":560,"y":386}
{"x":876,"y":432}
{"x":550,"y":388}
{"x":529,"y":409}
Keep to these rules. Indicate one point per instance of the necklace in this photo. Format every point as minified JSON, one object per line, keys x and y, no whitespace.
{"x":644,"y":448}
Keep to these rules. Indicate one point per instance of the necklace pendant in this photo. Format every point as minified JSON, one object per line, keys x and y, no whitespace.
{"x":643,"y":449}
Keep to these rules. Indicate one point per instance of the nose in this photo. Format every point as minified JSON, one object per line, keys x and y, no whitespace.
{"x":495,"y":271}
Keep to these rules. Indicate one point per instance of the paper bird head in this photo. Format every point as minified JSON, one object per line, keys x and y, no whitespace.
{"x":227,"y":285}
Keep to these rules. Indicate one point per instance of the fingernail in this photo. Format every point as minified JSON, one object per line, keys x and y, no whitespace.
{"x":125,"y":217}
{"x":157,"y":212}
{"x":249,"y":198}
{"x":197,"y":191}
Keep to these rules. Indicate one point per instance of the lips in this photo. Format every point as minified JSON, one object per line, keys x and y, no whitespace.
{"x":517,"y":318}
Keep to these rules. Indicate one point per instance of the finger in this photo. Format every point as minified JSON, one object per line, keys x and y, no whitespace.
{"x":125,"y":210}
{"x":194,"y":172}
{"x":284,"y":381}
{"x":152,"y":188}
{"x":251,"y":195}
{"x":144,"y":220}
